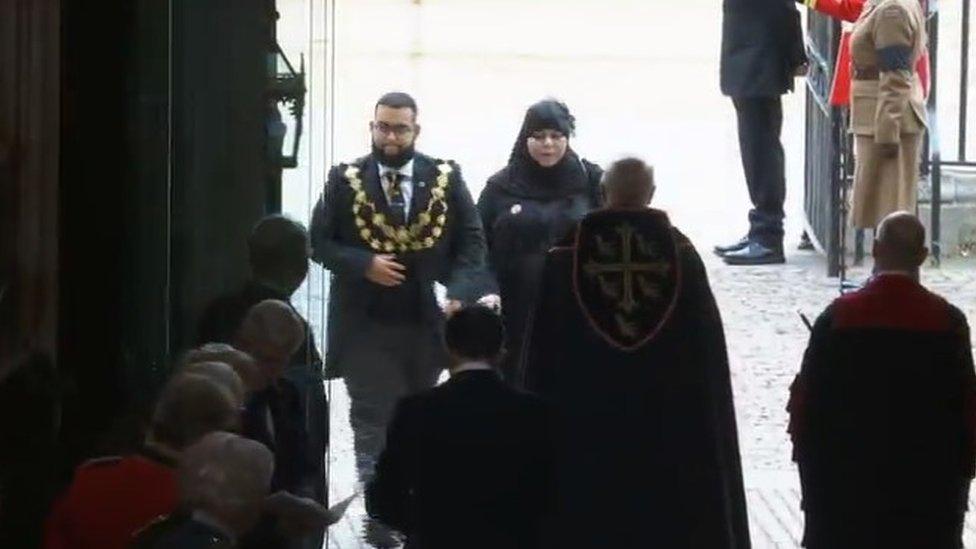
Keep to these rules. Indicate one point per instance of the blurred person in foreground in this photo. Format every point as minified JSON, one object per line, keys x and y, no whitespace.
{"x":224,"y":480}
{"x":111,"y":498}
{"x":278,"y":251}
{"x":30,"y":422}
{"x":270,"y":332}
{"x":467,"y":463}
{"x":240,"y":363}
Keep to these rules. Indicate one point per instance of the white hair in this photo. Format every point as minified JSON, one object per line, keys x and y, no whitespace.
{"x":191,"y":405}
{"x":224,"y":471}
{"x":275,"y":323}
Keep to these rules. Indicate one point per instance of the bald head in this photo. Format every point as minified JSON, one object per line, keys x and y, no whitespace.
{"x":629,"y":184}
{"x":900,"y":243}
{"x":190,"y":406}
{"x":227,"y":476}
{"x":271,"y":332}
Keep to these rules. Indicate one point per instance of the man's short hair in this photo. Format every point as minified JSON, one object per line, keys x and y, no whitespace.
{"x":219,"y":372}
{"x":223,"y":470}
{"x":631,"y":177}
{"x":273,"y":322}
{"x":277,"y":244}
{"x":242,"y":363}
{"x":397,"y":100}
{"x":190,"y":406}
{"x":216,"y":352}
{"x":475,"y":332}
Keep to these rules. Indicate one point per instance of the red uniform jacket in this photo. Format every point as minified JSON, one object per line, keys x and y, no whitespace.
{"x":109,"y":500}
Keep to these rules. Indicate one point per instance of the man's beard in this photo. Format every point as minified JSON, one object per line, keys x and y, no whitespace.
{"x":397,"y":160}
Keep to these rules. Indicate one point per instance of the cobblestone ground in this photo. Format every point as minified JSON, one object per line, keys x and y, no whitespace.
{"x":638,"y":85}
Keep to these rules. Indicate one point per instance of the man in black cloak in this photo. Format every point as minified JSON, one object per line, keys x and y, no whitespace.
{"x":882,"y":412}
{"x":627,"y":344}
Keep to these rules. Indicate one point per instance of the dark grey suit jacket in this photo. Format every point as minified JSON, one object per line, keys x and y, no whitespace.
{"x":457,"y":260}
{"x":762,"y":45}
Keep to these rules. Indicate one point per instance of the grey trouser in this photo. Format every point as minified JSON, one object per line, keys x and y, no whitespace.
{"x":382,"y":365}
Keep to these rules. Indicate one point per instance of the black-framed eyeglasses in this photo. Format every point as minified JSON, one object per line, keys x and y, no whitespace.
{"x":399,"y":130}
{"x":551,"y":135}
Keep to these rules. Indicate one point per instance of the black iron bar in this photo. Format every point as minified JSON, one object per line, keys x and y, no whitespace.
{"x":958,"y":163}
{"x":964,"y":80}
{"x":936,"y":162}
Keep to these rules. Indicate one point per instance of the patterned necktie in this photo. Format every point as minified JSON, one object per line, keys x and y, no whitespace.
{"x":394,"y":194}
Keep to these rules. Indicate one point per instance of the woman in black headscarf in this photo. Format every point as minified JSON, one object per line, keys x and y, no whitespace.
{"x":528,"y":206}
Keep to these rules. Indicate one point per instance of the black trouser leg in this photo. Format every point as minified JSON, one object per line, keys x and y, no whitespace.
{"x":760,"y":123}
{"x":386,"y":364}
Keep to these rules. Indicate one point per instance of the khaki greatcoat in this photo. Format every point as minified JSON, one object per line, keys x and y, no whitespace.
{"x":887,"y":107}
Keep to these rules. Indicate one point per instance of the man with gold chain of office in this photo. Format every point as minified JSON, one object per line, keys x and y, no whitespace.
{"x":627,"y":345}
{"x":389,"y":226}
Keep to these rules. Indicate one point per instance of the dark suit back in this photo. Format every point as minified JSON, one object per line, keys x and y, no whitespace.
{"x":762,"y":44}
{"x":467,"y":464}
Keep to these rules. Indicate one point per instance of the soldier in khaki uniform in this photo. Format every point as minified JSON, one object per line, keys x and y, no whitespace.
{"x":887,"y":108}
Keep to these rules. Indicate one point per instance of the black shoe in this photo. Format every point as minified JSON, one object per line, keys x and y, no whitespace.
{"x":806,"y":245}
{"x":755,"y":254}
{"x":722,"y":250}
{"x":379,"y":535}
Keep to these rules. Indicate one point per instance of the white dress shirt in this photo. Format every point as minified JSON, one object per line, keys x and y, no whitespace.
{"x":471,"y":366}
{"x":406,"y":184}
{"x":207,"y":519}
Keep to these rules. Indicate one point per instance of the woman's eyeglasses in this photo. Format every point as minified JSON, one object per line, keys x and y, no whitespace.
{"x":544,"y":135}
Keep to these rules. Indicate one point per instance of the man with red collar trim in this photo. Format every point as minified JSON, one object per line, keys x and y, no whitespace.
{"x":626,"y":343}
{"x":881,"y":414}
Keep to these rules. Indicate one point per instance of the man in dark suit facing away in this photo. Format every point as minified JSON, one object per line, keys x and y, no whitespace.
{"x":466,"y":464}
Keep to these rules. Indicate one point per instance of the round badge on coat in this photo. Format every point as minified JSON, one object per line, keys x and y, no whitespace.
{"x":516,"y":209}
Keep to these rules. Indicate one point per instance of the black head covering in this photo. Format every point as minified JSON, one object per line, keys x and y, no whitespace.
{"x":531,"y":180}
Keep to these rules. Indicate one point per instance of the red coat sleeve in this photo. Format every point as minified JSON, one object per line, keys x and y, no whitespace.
{"x":55,"y":534}
{"x":848,"y":10}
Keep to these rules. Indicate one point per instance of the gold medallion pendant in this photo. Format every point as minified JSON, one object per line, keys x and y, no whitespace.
{"x":382,"y":237}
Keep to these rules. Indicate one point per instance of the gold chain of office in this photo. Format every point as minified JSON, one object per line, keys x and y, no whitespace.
{"x":381,"y":236}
